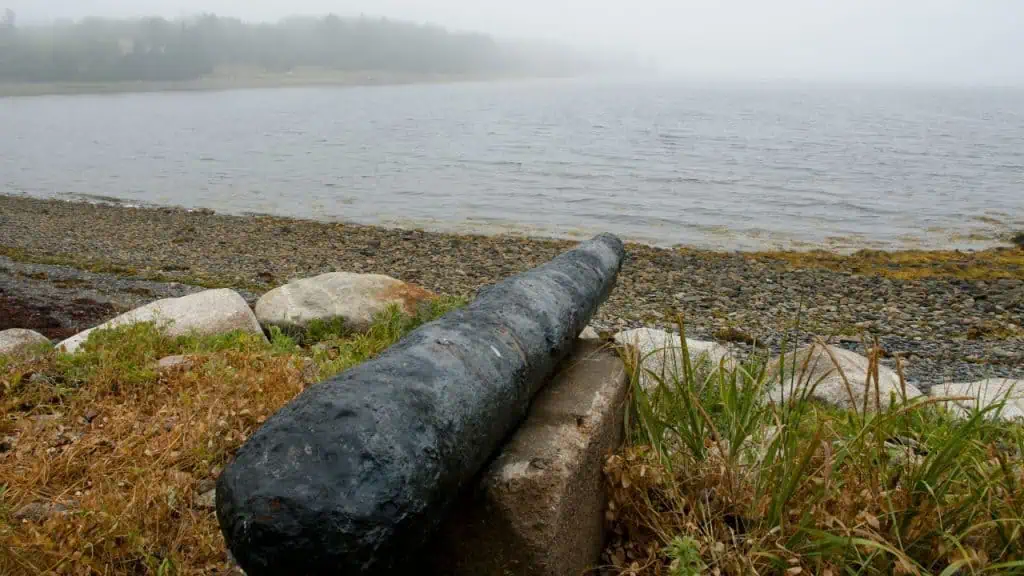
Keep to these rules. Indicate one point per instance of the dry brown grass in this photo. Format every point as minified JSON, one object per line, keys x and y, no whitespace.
{"x":130,"y":463}
{"x":112,"y":455}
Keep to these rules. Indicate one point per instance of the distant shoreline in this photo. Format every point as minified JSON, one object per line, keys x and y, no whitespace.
{"x":245,"y":81}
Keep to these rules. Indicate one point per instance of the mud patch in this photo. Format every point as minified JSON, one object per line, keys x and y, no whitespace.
{"x":54,"y":320}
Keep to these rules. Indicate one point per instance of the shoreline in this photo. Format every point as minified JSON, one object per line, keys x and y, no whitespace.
{"x":957,"y":315}
{"x":217,"y":83}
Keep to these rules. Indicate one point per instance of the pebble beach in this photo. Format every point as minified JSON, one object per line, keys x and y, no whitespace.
{"x":953,"y":316}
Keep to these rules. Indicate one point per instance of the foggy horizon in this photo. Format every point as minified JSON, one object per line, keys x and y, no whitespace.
{"x":916,"y":41}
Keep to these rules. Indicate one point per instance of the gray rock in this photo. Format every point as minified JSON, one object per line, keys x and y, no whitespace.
{"x":661,"y":353}
{"x":207,"y":500}
{"x":17,"y":339}
{"x":205,"y":313}
{"x":356,"y":298}
{"x":42,"y":511}
{"x":829,"y":369}
{"x":984,"y":394}
{"x":310,"y":371}
{"x":170,"y":363}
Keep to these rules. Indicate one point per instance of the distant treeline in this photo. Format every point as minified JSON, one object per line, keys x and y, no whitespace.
{"x":155,"y":49}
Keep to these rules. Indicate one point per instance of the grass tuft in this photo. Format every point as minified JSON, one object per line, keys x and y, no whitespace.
{"x":107,"y":462}
{"x":718,"y":480}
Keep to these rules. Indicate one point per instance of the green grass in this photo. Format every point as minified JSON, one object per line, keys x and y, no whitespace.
{"x":717,"y":476}
{"x":336,"y":350}
{"x":127,"y":356}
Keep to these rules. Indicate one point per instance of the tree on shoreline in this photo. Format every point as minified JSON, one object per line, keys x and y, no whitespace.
{"x":155,"y":49}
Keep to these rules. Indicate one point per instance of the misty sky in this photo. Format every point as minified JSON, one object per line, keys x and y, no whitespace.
{"x":957,"y":41}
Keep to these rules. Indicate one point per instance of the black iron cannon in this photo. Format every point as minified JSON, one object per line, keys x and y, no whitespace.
{"x":353,"y":476}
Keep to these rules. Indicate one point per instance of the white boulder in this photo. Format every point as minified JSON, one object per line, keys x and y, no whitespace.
{"x":984,"y":394}
{"x":355,"y":298}
{"x":17,"y":339}
{"x":661,"y":353}
{"x":829,"y":369}
{"x":204,"y":313}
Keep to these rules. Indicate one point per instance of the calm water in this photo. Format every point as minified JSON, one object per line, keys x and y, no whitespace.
{"x":724,"y":166}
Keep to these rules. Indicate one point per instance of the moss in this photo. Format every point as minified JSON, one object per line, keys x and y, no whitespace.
{"x":991,"y":331}
{"x":733,"y":334}
{"x":88,"y":264}
{"x":34,"y":275}
{"x":103,"y":267}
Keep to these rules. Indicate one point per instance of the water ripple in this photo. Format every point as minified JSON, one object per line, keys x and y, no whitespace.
{"x":668,"y":163}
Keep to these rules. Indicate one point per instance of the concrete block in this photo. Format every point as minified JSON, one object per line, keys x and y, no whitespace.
{"x":538,"y":509}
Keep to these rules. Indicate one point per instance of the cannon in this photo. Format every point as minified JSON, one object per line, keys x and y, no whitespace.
{"x":354,"y":475}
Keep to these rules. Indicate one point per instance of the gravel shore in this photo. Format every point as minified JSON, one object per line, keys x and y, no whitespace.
{"x":955,"y":316}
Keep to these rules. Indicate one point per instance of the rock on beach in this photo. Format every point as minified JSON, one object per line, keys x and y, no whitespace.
{"x":355,"y":298}
{"x":835,"y":373}
{"x":17,"y":339}
{"x":660,"y":353}
{"x":205,"y":313}
{"x":984,"y":395}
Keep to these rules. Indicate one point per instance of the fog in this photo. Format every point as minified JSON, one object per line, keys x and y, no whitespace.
{"x":947,"y":41}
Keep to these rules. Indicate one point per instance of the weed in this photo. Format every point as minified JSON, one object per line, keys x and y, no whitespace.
{"x":684,"y":553}
{"x":733,"y":334}
{"x":750,"y":486}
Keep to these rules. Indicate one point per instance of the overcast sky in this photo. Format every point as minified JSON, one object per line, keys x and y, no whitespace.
{"x":958,"y":41}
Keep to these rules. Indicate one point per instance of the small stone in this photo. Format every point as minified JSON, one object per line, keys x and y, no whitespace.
{"x":90,"y":415}
{"x":41,"y":511}
{"x":207,"y":500}
{"x":172,"y":363}
{"x":42,"y":418}
{"x":205,"y":485}
{"x":310,"y":371}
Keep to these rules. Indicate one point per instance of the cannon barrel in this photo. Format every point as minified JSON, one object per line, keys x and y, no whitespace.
{"x":354,"y":475}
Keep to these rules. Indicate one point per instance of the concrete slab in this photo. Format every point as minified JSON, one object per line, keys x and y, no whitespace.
{"x":538,"y":509}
